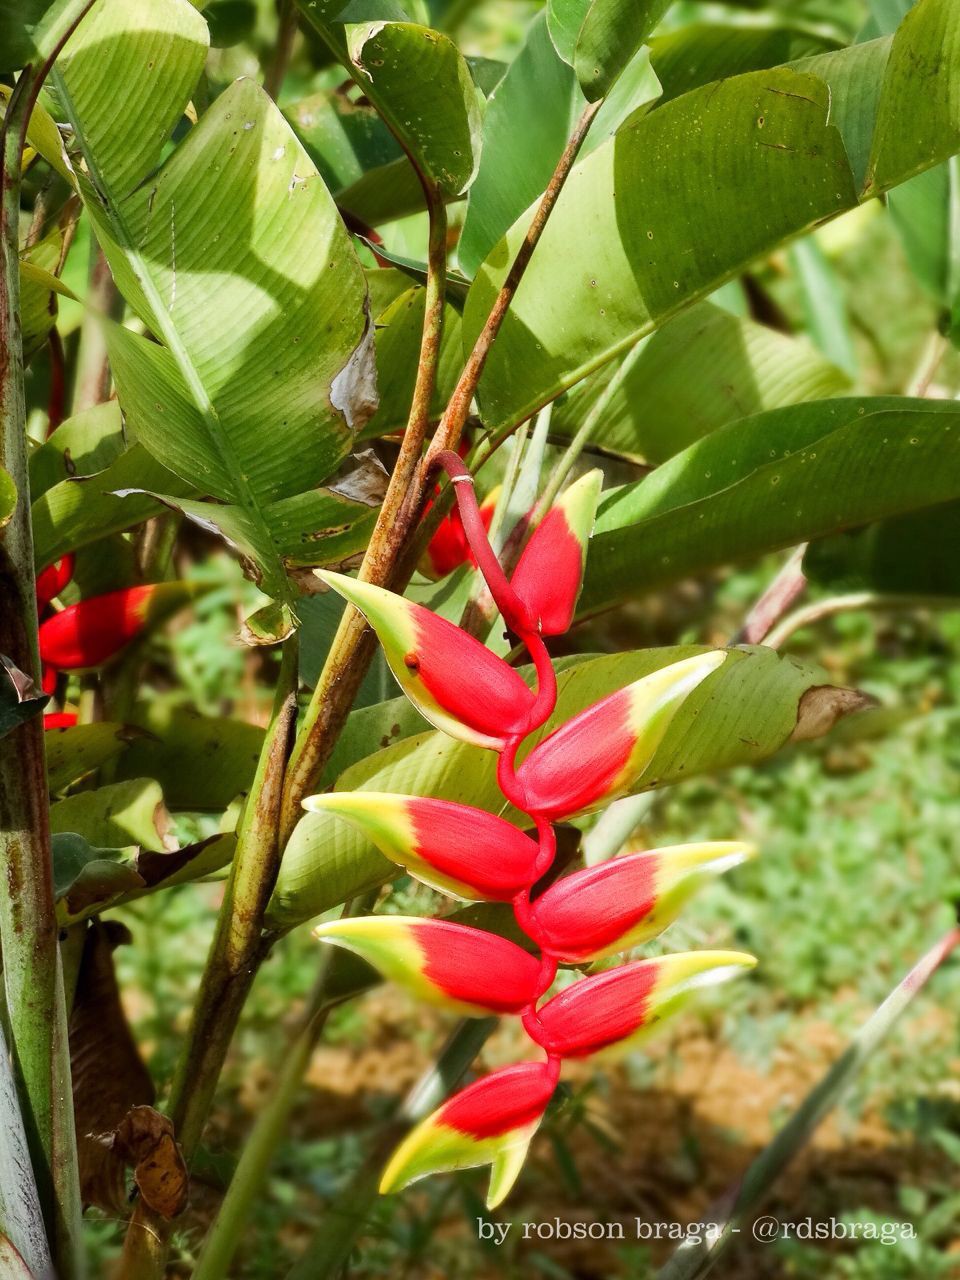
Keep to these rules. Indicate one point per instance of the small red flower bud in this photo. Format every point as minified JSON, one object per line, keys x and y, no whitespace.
{"x":59,"y":720}
{"x":52,"y":581}
{"x":91,"y":632}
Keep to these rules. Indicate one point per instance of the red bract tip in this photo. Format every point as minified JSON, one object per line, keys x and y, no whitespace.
{"x":52,"y":581}
{"x":59,"y":720}
{"x":550,"y":572}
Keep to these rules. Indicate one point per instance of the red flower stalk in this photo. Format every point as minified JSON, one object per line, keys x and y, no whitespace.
{"x":448,"y":549}
{"x":598,"y":755}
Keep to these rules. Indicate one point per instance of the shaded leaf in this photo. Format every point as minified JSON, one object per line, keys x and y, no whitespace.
{"x":772,"y":481}
{"x":116,"y":815}
{"x":703,"y":369}
{"x":786,"y":149}
{"x":74,"y":752}
{"x":915,"y":554}
{"x":23,"y":1239}
{"x":84,"y":875}
{"x":422,"y":87}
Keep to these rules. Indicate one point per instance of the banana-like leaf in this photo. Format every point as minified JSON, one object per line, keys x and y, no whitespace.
{"x":528,"y":119}
{"x":422,"y":87}
{"x":702,"y":370}
{"x":747,"y":711}
{"x":399,"y":331}
{"x":599,"y":37}
{"x":201,"y":762}
{"x":31,"y":30}
{"x":772,"y":481}
{"x":698,"y":53}
{"x":74,"y":752}
{"x":116,"y":816}
{"x":77,"y":512}
{"x":697,"y":1257}
{"x":784,"y":149}
{"x":233,"y":256}
{"x":914,"y":555}
{"x":83,"y":446}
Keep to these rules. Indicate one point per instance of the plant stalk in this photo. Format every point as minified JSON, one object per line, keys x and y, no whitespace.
{"x":32,"y":974}
{"x":353,"y":645}
{"x":853,"y":603}
{"x":388,"y":561}
{"x":235,"y":956}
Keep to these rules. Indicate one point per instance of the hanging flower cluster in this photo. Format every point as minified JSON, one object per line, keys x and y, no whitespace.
{"x":470,"y":693}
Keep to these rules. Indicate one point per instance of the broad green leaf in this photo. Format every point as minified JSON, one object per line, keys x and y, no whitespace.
{"x":75,"y":513}
{"x":696,"y":1258}
{"x":23,"y":1237}
{"x":358,"y":157}
{"x":20,"y":699}
{"x":698,"y":53}
{"x":398,"y":336}
{"x":201,"y":762}
{"x":75,"y":752}
{"x":599,"y":37}
{"x":88,"y":879}
{"x":31,"y":30}
{"x":915,"y":554}
{"x":785,"y":149}
{"x":38,"y":303}
{"x":421,"y":85}
{"x":744,"y":713}
{"x":528,"y":120}
{"x":116,"y":816}
{"x":84,"y":874}
{"x":259,"y":314}
{"x":83,"y":446}
{"x":702,"y":370}
{"x":772,"y":481}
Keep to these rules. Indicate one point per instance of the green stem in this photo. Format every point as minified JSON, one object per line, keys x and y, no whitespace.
{"x":32,"y":976}
{"x":853,"y":603}
{"x":235,"y":955}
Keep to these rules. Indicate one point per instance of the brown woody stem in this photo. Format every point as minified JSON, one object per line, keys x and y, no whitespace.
{"x":388,"y":560}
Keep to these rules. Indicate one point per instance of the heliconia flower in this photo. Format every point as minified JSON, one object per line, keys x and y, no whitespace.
{"x":623,"y":1006}
{"x":52,"y":580}
{"x":59,"y":720}
{"x":91,"y":632}
{"x":490,"y":1122}
{"x":599,"y":754}
{"x":549,"y":574}
{"x":628,"y":900}
{"x":448,"y":549}
{"x":48,"y":679}
{"x":453,"y":847}
{"x":466,"y":970}
{"x":453,"y":680}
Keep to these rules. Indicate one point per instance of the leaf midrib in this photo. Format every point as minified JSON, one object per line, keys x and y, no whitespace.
{"x":170,"y":335}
